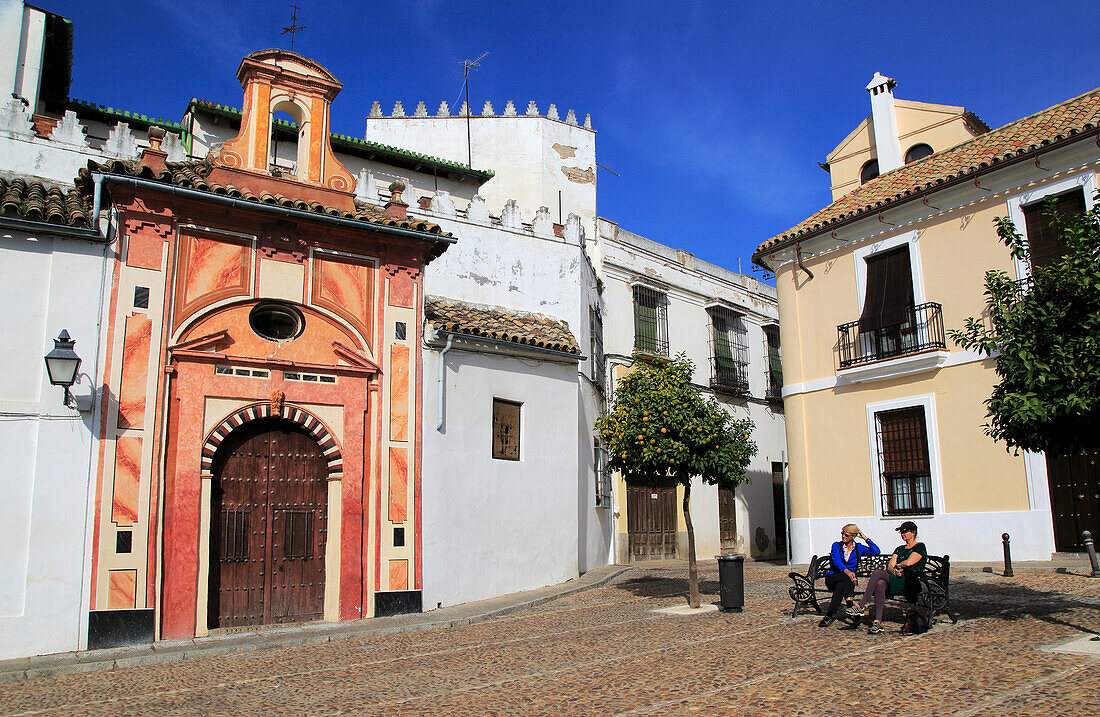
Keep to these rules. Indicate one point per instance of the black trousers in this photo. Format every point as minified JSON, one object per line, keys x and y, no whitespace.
{"x":842,"y":587}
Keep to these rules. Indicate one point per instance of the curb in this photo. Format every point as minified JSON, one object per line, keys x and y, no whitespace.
{"x":169,"y":651}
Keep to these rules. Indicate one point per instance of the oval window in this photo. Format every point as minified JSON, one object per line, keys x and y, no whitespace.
{"x":276,"y":322}
{"x":917,"y":151}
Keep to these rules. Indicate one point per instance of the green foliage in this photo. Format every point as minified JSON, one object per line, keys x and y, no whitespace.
{"x":1047,"y":333}
{"x":661,"y":427}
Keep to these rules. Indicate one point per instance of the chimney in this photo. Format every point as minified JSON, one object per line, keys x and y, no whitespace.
{"x":396,"y":208}
{"x":885,"y":121}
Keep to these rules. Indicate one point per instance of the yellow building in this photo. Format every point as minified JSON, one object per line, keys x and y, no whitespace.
{"x":884,"y":413}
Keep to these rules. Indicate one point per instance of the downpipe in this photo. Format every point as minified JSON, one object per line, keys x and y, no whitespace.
{"x":442,"y":373}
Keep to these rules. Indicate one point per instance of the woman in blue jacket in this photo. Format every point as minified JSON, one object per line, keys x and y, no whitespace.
{"x":841,"y":577}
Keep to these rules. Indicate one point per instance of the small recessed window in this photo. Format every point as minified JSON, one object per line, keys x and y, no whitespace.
{"x":869,"y":171}
{"x":506,"y":415}
{"x":124,"y":542}
{"x":141,"y":297}
{"x":399,"y":331}
{"x":398,"y":537}
{"x":276,"y":322}
{"x":917,"y":151}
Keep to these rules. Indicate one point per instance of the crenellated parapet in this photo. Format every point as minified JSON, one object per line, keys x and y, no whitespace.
{"x":487,"y":110}
{"x":56,"y":148}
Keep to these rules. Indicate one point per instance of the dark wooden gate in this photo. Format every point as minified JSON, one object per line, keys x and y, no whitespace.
{"x":269,"y":515}
{"x":651,"y":522}
{"x":1074,"y":499}
{"x":727,"y":518}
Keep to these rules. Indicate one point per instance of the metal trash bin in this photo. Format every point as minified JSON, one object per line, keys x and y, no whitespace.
{"x":731,"y":576}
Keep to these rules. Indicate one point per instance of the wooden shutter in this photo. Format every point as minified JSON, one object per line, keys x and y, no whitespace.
{"x":645,"y":319}
{"x":904,"y":441}
{"x":889,"y":297}
{"x":1044,"y":246}
{"x":505,"y":430}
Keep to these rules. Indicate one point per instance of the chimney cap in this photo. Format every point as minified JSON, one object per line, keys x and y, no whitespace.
{"x":879,"y":79}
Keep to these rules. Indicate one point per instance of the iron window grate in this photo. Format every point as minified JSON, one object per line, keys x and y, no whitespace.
{"x":904,"y":468}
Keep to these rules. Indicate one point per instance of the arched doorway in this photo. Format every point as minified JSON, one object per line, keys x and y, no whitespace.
{"x":269,"y":526}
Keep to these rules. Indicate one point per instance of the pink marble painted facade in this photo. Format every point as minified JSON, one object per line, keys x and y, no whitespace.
{"x":399,"y":392}
{"x":399,"y":485}
{"x":127,"y":481}
{"x":211,"y":269}
{"x":135,"y":371}
{"x":347,"y":289}
{"x":121,"y":589}
{"x":399,"y":575}
{"x":401,"y":291}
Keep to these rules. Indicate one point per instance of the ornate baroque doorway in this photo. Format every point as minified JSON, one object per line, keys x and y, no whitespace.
{"x":268,"y":523}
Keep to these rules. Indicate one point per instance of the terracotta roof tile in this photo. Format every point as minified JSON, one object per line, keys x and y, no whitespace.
{"x":192,"y":175}
{"x":1023,"y":136}
{"x":498,"y":323}
{"x":32,"y":200}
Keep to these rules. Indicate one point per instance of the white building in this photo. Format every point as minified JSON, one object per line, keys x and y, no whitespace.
{"x":664,"y":301}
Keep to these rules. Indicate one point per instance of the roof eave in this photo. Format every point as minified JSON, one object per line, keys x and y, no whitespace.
{"x":974,"y":173}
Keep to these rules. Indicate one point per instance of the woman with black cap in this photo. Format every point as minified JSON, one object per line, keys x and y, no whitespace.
{"x":899,"y":577}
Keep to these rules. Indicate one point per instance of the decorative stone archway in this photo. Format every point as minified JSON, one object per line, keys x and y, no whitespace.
{"x":313,"y":425}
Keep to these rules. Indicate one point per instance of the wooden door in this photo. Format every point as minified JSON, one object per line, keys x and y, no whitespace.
{"x":727,"y":518}
{"x":651,"y":522}
{"x":1074,"y":499}
{"x":269,"y":527}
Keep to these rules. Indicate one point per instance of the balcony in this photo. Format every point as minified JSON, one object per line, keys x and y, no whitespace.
{"x":728,"y":375}
{"x":922,"y":331}
{"x":774,"y":392}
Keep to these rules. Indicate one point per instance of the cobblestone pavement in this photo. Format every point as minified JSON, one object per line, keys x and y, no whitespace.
{"x":604,"y":651}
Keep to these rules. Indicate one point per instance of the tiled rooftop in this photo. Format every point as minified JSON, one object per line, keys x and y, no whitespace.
{"x":34,"y":201}
{"x":497,"y":323}
{"x":192,"y":175}
{"x":1017,"y":138}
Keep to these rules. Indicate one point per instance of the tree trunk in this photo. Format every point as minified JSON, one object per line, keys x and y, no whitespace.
{"x":693,"y":569}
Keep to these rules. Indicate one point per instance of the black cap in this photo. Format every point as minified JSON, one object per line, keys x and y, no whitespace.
{"x":908,"y":525}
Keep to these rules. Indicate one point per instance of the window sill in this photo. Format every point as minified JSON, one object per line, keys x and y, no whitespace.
{"x":893,"y":368}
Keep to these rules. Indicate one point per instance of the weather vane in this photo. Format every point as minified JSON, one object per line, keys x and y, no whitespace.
{"x":294,"y":27}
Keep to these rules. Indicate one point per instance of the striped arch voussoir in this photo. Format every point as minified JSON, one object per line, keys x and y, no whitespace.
{"x":302,"y":417}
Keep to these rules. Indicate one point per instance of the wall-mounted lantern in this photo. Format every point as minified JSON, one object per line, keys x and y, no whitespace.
{"x":62,"y":364}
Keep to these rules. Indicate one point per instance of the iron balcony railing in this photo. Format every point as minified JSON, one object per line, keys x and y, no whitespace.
{"x":922,"y":330}
{"x":729,"y":375}
{"x":774,"y":393}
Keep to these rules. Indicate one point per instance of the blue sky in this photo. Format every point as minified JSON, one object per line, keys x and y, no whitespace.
{"x":714,"y":114}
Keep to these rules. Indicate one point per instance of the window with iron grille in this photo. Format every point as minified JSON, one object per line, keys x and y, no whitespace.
{"x":775,"y":363}
{"x":729,"y":351}
{"x":650,"y":321}
{"x":904,"y":468}
{"x":506,"y":416}
{"x":1044,"y":246}
{"x":603,"y":475}
{"x":298,"y":534}
{"x":596,"y":347}
{"x":233,"y":536}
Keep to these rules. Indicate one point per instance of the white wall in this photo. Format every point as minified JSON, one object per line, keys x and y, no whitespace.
{"x":521,"y":150}
{"x":491,"y":526}
{"x":46,"y":449}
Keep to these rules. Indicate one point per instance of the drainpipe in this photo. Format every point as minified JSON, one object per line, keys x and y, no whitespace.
{"x":442,"y":373}
{"x":97,"y":195}
{"x":798,"y":254}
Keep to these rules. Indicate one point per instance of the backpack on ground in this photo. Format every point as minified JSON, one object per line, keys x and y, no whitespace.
{"x":915,"y":623}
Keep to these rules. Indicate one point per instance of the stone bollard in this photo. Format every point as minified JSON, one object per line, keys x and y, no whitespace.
{"x":1008,"y":555}
{"x":1092,"y":554}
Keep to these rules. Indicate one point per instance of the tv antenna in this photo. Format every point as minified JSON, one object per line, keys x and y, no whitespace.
{"x":294,"y":27}
{"x":468,"y":65}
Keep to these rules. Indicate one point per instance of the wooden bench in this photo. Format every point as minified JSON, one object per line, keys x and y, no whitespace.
{"x":934,"y":596}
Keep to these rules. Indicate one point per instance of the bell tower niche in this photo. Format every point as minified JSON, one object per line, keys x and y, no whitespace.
{"x":284,"y":81}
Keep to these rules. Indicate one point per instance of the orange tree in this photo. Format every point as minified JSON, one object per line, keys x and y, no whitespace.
{"x":660,"y":427}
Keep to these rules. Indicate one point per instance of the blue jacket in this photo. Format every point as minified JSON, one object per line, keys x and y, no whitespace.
{"x":837,"y":554}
